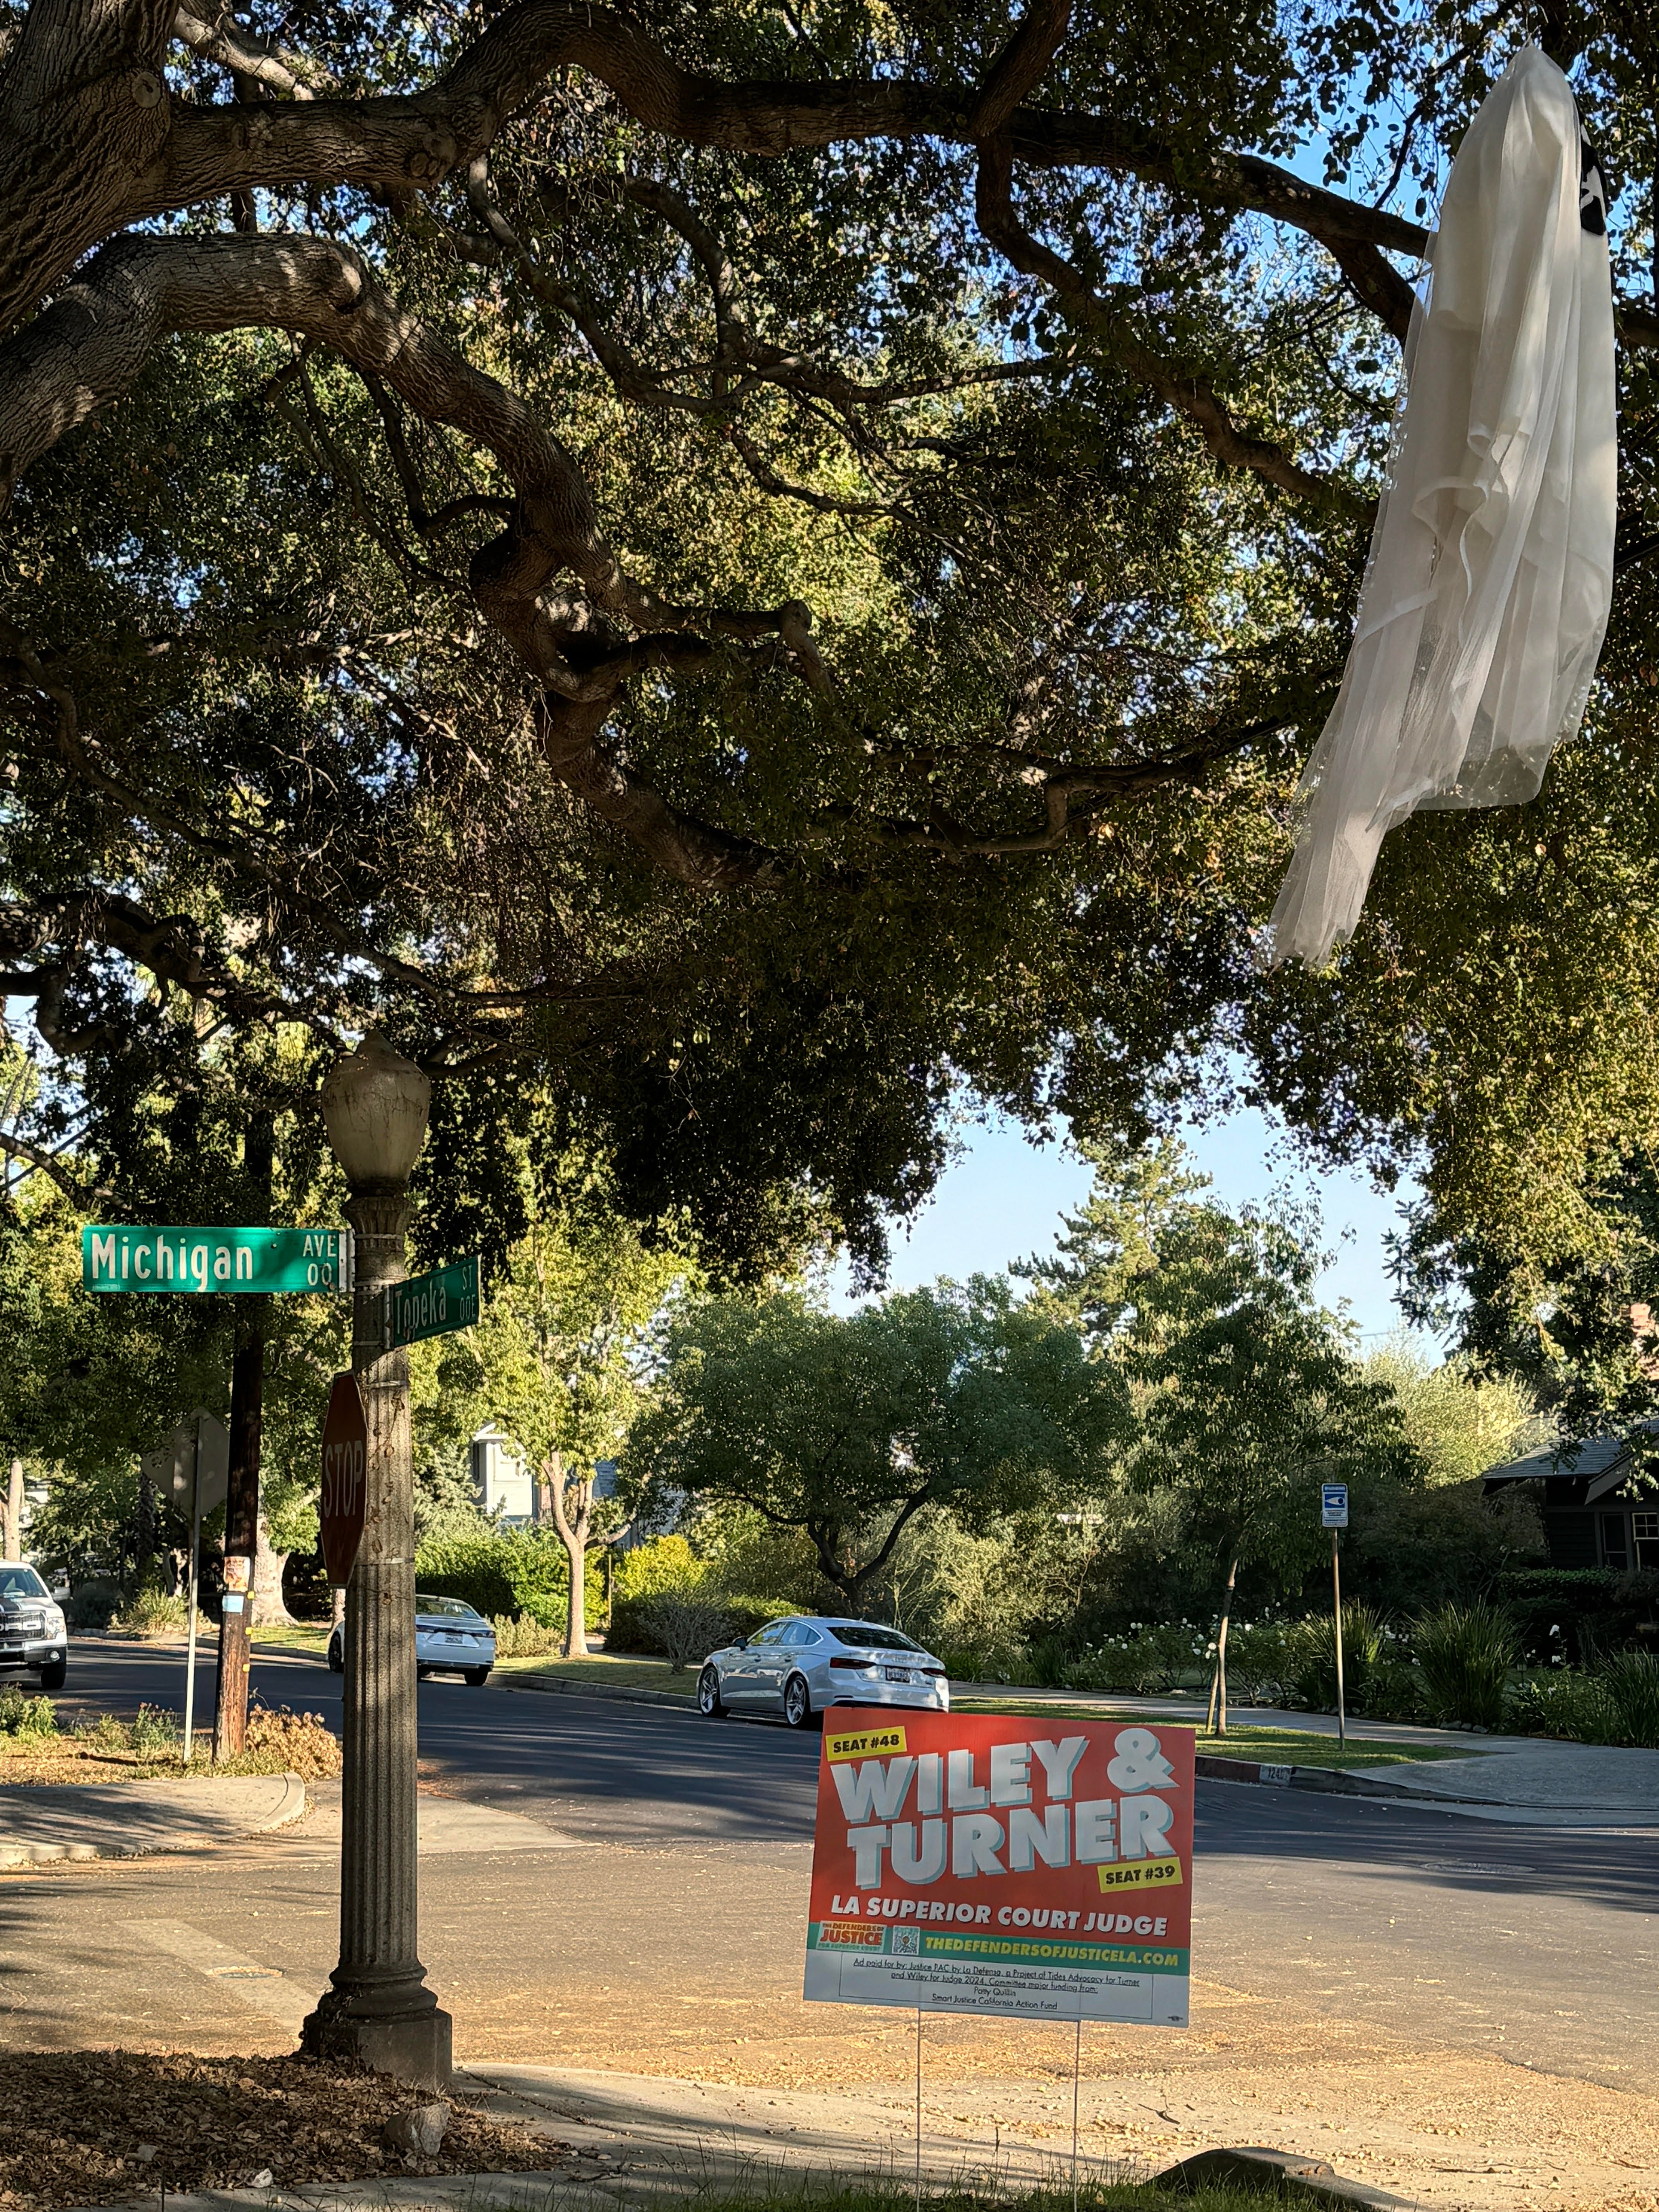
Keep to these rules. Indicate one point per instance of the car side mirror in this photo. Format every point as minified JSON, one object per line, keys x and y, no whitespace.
{"x":742,"y":1644}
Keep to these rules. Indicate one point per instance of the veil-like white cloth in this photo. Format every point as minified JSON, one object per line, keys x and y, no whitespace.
{"x":1490,"y":571}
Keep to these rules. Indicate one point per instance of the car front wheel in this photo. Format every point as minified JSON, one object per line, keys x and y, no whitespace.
{"x":54,"y":1673}
{"x":797,"y":1702}
{"x":335,"y":1656}
{"x":709,"y":1700}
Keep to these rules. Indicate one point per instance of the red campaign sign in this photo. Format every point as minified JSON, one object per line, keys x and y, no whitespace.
{"x":1012,"y":1864}
{"x":345,"y":1488}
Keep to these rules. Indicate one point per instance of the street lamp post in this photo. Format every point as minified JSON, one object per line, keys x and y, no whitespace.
{"x":378,"y":2007}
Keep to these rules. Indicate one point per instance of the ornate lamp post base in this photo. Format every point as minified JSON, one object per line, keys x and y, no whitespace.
{"x":411,"y":2039}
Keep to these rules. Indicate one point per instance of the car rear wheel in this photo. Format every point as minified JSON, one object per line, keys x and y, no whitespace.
{"x":53,"y":1673}
{"x":709,"y":1700}
{"x":476,"y":1675}
{"x":335,"y":1656}
{"x":798,"y":1701}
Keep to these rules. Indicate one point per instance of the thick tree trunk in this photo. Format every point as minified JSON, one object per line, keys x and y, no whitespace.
{"x":573,"y":1529}
{"x":1216,"y":1720}
{"x":266,"y":1602}
{"x":11,"y":1514}
{"x":144,"y":1542}
{"x":575,"y":1634}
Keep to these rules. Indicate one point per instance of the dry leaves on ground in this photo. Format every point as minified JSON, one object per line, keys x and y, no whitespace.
{"x":84,"y":2128}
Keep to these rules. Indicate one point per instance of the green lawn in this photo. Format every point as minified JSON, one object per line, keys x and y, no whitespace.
{"x":1271,"y":1746}
{"x":631,"y":1673}
{"x":294,"y":1636}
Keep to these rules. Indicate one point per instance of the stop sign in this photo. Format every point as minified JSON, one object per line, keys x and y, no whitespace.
{"x":345,"y":1488}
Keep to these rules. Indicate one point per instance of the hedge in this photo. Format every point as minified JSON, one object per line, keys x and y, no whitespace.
{"x":510,"y":1573}
{"x":628,"y":1631}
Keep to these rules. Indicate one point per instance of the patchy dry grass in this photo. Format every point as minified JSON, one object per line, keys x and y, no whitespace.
{"x":148,"y":1749}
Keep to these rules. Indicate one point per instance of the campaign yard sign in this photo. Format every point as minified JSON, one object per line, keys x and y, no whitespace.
{"x":968,"y":1863}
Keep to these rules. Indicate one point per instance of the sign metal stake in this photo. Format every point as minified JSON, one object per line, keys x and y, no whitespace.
{"x":1077,"y":2067}
{"x":1336,"y":1601}
{"x":918,"y":2108}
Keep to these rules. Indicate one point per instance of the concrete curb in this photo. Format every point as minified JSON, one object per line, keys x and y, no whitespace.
{"x":1211,"y":1767}
{"x":562,"y":1686}
{"x":121,"y":1842}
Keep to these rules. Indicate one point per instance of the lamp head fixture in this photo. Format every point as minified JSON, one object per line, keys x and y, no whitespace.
{"x":375,"y":1106}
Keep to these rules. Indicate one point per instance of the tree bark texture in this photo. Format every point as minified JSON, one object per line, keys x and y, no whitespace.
{"x":572,"y":1526}
{"x":11,"y":1514}
{"x":1216,"y":1721}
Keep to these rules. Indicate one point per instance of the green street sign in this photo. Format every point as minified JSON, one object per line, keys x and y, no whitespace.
{"x":431,"y":1305}
{"x":197,"y":1261}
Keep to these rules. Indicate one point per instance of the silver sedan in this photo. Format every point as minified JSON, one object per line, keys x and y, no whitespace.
{"x":800,"y":1668}
{"x":449,"y":1638}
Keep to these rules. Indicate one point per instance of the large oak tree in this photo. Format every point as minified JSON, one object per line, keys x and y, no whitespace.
{"x":750,"y":561}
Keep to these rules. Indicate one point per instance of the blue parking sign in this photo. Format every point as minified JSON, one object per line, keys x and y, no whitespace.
{"x":1334,"y":1497}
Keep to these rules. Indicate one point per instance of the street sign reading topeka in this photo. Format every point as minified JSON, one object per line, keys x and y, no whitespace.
{"x":433,"y":1304}
{"x":197,"y":1260}
{"x":346,"y":1485}
{"x":967,"y":1863}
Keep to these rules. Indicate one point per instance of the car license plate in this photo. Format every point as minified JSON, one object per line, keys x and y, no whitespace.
{"x":898,"y":1674}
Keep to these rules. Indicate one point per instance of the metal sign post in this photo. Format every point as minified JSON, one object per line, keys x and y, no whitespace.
{"x":193,"y":1463}
{"x":194,"y":1585}
{"x":1333,"y":1516}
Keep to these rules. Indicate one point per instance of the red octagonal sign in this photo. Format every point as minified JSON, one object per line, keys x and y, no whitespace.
{"x":345,"y":1489}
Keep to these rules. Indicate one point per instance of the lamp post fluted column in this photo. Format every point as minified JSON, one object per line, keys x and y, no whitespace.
{"x":378,"y":2007}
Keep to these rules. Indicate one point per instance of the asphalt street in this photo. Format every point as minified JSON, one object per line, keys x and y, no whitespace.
{"x":1541,"y":1943}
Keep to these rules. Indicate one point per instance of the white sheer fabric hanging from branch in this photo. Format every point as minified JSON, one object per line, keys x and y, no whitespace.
{"x":1491,"y":573}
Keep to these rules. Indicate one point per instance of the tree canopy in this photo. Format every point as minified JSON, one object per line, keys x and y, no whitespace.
{"x":744,"y":565}
{"x":846,"y":1428}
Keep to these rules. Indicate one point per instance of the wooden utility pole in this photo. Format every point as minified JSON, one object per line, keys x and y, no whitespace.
{"x":247,"y":1384}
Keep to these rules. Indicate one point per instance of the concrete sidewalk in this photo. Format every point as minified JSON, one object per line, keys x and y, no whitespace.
{"x":1538,"y":1780}
{"x":41,"y":1824}
{"x":640,"y":2139}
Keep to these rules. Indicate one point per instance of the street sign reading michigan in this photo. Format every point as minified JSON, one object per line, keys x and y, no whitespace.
{"x":196,"y":1260}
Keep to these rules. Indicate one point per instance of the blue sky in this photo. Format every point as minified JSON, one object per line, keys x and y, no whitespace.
{"x":1002,"y":1200}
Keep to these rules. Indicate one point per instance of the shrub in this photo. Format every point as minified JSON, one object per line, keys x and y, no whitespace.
{"x":154,"y":1728}
{"x":634,"y":1621}
{"x":505,"y":1571}
{"x":151,"y":1612}
{"x":24,"y":1715}
{"x":685,"y":1625}
{"x":1310,"y":1657}
{"x":526,"y":1638}
{"x":292,"y":1743}
{"x":1618,"y":1703}
{"x":1464,"y":1654}
{"x":978,"y":1662}
{"x":1394,"y":1690}
{"x":663,"y":1563}
{"x":92,"y":1605}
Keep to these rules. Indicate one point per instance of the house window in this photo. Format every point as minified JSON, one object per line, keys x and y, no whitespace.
{"x":1615,"y":1545}
{"x":1644,"y":1527}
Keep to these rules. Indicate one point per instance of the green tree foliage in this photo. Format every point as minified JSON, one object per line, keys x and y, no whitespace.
{"x":556,"y":1361}
{"x":1254,"y":1398}
{"x":1460,"y":1422}
{"x":722,"y":570}
{"x":846,"y":1428}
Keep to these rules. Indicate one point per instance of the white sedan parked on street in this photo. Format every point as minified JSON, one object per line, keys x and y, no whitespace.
{"x":802,"y":1667}
{"x":450,"y":1638}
